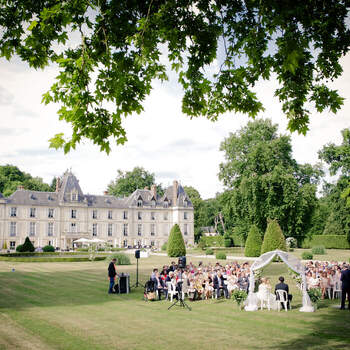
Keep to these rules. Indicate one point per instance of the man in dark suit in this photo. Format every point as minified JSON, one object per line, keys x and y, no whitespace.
{"x":111,"y":275}
{"x":345,"y":287}
{"x":219,"y":285}
{"x":159,"y":285}
{"x":283,"y":286}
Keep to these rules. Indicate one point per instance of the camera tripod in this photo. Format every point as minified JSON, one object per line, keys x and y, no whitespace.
{"x":180,"y":299}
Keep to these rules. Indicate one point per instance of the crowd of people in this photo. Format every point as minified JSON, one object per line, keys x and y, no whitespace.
{"x":324,"y":275}
{"x":202,"y":282}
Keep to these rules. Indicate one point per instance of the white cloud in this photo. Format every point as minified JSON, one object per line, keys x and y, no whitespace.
{"x":161,"y":139}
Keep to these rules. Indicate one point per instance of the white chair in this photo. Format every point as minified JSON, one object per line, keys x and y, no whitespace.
{"x":282,"y":298}
{"x":336,"y":290}
{"x":171,"y":290}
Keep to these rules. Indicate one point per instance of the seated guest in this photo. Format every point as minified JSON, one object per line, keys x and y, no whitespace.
{"x":324,"y":284}
{"x":314,"y":282}
{"x":219,"y":285}
{"x":283,"y":286}
{"x":243,"y":282}
{"x":160,"y":286}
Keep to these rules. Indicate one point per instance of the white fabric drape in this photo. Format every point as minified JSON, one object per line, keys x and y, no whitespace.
{"x":293,"y":263}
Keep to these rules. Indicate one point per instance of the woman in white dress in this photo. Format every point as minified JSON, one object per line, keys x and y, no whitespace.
{"x":265,"y":296}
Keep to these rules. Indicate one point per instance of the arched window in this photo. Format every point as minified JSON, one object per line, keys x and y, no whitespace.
{"x":139,"y":203}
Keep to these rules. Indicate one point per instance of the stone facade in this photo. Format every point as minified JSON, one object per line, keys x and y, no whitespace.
{"x":58,"y":218}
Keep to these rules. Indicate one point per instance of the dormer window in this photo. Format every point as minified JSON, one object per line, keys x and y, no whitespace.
{"x":74,"y":196}
{"x":186,"y":203}
{"x":153,"y":202}
{"x":166,"y":204}
{"x":139,"y":203}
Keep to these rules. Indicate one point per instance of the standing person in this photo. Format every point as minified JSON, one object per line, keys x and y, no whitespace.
{"x":111,"y":275}
{"x":345,"y":287}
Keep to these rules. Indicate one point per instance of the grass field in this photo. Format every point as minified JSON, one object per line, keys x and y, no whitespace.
{"x":66,"y":306}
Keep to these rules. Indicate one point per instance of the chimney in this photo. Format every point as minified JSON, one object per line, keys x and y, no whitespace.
{"x":20,"y":188}
{"x":154,"y":191}
{"x":58,"y":184}
{"x":175,"y":189}
{"x":105,"y":193}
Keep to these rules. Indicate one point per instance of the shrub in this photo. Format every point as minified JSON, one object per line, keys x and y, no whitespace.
{"x":307,"y":256}
{"x":253,"y":242}
{"x":318,"y":250}
{"x":122,"y":259}
{"x":273,"y":238}
{"x":209,"y":251}
{"x":164,"y":246}
{"x":48,"y":248}
{"x":4,"y":246}
{"x":19,"y":248}
{"x":176,"y":245}
{"x":220,"y":256}
{"x":213,"y":241}
{"x":101,"y":249}
{"x":202,"y":244}
{"x":314,"y":294}
{"x":330,"y":241}
{"x":28,"y":245}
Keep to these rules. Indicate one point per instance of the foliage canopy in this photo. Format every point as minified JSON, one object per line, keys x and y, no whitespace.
{"x":122,"y":45}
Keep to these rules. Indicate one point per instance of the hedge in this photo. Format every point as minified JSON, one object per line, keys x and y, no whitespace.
{"x":176,"y":245}
{"x":307,"y":256}
{"x":122,"y":259}
{"x":220,"y":256}
{"x":329,"y":241}
{"x":23,"y":254}
{"x":29,"y":259}
{"x":213,"y":241}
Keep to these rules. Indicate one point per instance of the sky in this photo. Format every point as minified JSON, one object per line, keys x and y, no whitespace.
{"x":161,"y":139}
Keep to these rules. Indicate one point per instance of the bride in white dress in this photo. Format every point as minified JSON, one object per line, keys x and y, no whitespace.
{"x":265,"y":296}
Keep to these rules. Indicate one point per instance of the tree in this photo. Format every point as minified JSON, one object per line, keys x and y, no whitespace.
{"x":127,"y":182}
{"x":11,"y":177}
{"x":338,"y":158}
{"x":122,"y":44}
{"x":253,"y":242}
{"x":264,"y":181}
{"x":273,"y":238}
{"x":176,"y":245}
{"x":28,"y":246}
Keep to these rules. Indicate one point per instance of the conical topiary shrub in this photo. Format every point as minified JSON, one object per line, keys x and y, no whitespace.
{"x":28,"y":246}
{"x":253,"y":242}
{"x":274,"y":238}
{"x":176,"y":245}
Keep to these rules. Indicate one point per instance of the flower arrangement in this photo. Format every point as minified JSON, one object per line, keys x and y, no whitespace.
{"x":297,"y":278}
{"x":291,"y":243}
{"x":239,"y":296}
{"x":314,"y":294}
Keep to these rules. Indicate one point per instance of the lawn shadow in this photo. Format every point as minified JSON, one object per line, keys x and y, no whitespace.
{"x":329,"y":331}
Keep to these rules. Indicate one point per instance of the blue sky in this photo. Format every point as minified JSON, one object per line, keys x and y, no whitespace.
{"x":161,"y":139}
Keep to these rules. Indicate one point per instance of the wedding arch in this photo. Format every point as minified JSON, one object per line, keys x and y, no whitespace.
{"x":293,"y":263}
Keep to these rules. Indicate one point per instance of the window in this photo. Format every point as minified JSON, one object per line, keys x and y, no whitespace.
{"x":32,"y":229}
{"x":153,"y":215}
{"x":185,"y":203}
{"x":152,"y":243}
{"x":13,"y":212}
{"x":73,"y":227}
{"x":32,"y":212}
{"x":125,"y":215}
{"x":73,"y":214}
{"x":139,"y":215}
{"x":139,"y":229}
{"x":166,"y":204}
{"x":165,"y":216}
{"x":125,"y":229}
{"x":110,"y":216}
{"x":13,"y":229}
{"x":153,"y":203}
{"x":50,"y":229}
{"x":94,"y":229}
{"x":185,"y":215}
{"x":110,"y":230}
{"x":125,"y":243}
{"x":50,"y":213}
{"x":74,"y":196}
{"x":12,"y":245}
{"x":94,"y":214}
{"x":185,"y":230}
{"x":153,"y":229}
{"x":139,"y":203}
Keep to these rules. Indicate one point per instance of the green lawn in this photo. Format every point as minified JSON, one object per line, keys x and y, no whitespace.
{"x":66,"y":306}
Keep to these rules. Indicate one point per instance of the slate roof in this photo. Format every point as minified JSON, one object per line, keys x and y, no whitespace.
{"x":70,"y":183}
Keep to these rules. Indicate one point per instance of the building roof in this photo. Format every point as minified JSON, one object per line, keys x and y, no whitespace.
{"x":70,"y":184}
